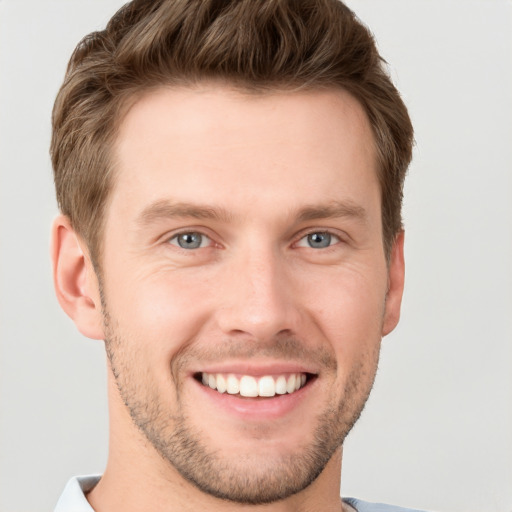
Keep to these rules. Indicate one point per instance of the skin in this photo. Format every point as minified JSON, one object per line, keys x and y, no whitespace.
{"x":253,"y":297}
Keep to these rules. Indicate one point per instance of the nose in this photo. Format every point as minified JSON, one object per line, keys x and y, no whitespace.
{"x":258,"y":298}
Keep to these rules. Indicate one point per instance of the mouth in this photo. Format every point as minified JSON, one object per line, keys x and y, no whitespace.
{"x":250,"y":386}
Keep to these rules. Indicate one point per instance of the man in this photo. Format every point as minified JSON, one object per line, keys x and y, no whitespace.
{"x":230,"y":178}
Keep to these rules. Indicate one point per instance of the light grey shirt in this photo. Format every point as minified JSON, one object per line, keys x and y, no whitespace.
{"x":73,"y":498}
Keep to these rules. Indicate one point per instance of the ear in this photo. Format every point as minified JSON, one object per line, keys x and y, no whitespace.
{"x":75,"y":281}
{"x":396,"y":275}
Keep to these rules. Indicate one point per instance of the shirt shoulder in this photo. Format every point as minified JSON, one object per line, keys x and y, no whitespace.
{"x":73,"y":497}
{"x":365,"y":506}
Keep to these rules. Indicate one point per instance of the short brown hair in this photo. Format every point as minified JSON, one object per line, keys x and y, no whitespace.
{"x":255,"y":45}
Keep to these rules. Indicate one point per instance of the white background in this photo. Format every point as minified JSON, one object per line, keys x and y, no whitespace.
{"x":437,"y":432}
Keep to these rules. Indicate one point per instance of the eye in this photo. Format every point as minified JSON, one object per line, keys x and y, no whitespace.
{"x":190,"y":240}
{"x":318,"y":240}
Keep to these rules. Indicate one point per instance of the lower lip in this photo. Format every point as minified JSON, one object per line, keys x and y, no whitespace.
{"x":255,"y":409}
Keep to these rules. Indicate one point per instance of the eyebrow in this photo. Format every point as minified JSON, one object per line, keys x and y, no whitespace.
{"x":166,"y":209}
{"x":333,"y":210}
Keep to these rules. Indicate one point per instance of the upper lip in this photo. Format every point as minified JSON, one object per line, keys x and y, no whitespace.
{"x":257,"y":369}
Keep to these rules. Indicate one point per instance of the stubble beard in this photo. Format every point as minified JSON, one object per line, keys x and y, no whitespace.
{"x":247,"y":480}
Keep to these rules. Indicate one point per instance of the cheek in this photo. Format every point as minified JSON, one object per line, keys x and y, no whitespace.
{"x":163,"y":311}
{"x":349,"y":310}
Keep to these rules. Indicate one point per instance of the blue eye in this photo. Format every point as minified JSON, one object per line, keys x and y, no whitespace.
{"x":191,"y":240}
{"x":318,"y":240}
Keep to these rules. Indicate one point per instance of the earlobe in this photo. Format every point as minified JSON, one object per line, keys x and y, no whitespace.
{"x":75,"y":281}
{"x":396,"y":276}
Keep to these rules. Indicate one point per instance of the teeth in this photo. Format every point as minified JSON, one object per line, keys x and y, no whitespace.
{"x":266,"y":386}
{"x":233,"y":385}
{"x":290,"y":384}
{"x":250,"y":386}
{"x":281,"y":384}
{"x":221,"y":383}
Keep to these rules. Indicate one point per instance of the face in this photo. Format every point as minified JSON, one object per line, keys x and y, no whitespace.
{"x":244,"y":282}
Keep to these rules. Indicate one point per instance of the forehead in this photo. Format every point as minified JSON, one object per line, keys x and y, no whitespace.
{"x":213,"y":142}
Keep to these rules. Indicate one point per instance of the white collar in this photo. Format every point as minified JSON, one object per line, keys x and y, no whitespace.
{"x":73,"y":498}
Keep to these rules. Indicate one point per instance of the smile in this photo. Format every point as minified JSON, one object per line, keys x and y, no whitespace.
{"x":250,"y":386}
